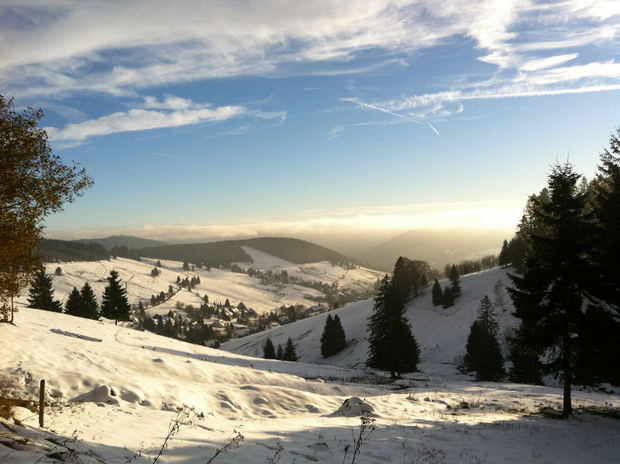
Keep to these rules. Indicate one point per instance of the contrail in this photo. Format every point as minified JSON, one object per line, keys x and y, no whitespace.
{"x":431,"y":126}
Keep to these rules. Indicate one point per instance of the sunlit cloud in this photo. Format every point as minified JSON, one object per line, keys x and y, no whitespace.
{"x":481,"y":215}
{"x":171,"y":112}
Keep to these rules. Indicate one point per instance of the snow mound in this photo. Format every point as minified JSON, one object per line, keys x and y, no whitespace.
{"x":354,"y":406}
{"x":102,"y":394}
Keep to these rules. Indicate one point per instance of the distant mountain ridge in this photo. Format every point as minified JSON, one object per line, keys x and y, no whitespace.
{"x":437,"y":247}
{"x":123,"y":240}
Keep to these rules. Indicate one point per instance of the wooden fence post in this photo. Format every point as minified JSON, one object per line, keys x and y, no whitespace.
{"x":41,"y":402}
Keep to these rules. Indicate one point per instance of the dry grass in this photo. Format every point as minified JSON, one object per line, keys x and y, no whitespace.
{"x":7,"y":401}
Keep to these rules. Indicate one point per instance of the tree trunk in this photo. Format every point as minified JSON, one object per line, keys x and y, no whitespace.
{"x":568,"y":377}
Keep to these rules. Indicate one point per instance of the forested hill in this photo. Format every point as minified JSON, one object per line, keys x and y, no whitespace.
{"x":62,"y":250}
{"x":123,"y":241}
{"x":227,"y":252}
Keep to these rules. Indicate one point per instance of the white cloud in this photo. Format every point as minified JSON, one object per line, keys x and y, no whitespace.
{"x":140,"y":119}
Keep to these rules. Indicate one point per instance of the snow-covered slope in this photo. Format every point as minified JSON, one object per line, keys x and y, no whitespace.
{"x":218,"y":284}
{"x":114,"y":395}
{"x":441,"y":333}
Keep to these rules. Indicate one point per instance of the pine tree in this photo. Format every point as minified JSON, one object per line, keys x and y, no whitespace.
{"x":526,"y":367}
{"x":289,"y":351}
{"x":483,"y":352}
{"x":392,"y":345}
{"x":279,"y":352}
{"x":504,"y":255}
{"x":437,"y":293}
{"x":447,"y":298}
{"x":340,"y":338}
{"x":327,"y":348}
{"x":114,"y":304}
{"x":269,"y":351}
{"x":550,"y":298}
{"x":455,"y":282}
{"x":73,"y":305}
{"x":333,"y":339}
{"x":41,"y":294}
{"x":89,"y":302}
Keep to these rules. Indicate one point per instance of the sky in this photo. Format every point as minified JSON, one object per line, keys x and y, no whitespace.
{"x":222,"y":119}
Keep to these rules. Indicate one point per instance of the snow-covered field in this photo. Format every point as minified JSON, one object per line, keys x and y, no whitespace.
{"x":286,"y":411}
{"x":218,"y":284}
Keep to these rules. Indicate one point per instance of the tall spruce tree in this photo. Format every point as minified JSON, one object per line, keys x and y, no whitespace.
{"x":114,"y":304}
{"x":269,"y":351}
{"x":437,"y":293}
{"x":504,"y":255}
{"x":90,"y":306}
{"x":333,"y":339}
{"x":551,"y":297}
{"x":392,"y":347}
{"x":41,"y":294}
{"x":290,"y":354}
{"x":483,"y":351}
{"x":455,"y":282}
{"x":73,"y":305}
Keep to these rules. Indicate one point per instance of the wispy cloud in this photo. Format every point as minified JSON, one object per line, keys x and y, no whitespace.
{"x":126,"y":47}
{"x":155,"y":114}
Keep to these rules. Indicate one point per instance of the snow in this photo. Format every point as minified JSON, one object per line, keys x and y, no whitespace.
{"x":217,"y":284}
{"x":115,"y":393}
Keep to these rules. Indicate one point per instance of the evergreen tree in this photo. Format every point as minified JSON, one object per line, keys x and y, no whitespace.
{"x":484,"y":355}
{"x":437,"y":293}
{"x":504,"y":255}
{"x":114,"y":304}
{"x":279,"y":352}
{"x":73,"y":305}
{"x":526,"y":367}
{"x":333,"y":339}
{"x":340,"y":338}
{"x":392,"y":345}
{"x":448,"y":298}
{"x":455,"y":282}
{"x":289,"y":351}
{"x":90,"y":307}
{"x":269,"y":351}
{"x":41,"y":294}
{"x":550,"y":298}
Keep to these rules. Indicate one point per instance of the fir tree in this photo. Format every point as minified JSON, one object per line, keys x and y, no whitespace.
{"x":550,"y":298}
{"x":447,"y":298}
{"x":437,"y":293}
{"x":526,"y":367}
{"x":73,"y":305}
{"x":455,"y":282}
{"x":484,"y":355}
{"x":114,"y":304}
{"x":289,"y":351}
{"x":392,"y":345}
{"x":279,"y":352}
{"x":504,"y":255}
{"x":269,"y":351}
{"x":41,"y":294}
{"x":90,"y":307}
{"x":333,"y":339}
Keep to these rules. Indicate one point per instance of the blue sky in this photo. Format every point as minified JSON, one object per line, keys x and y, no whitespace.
{"x":217,"y":119}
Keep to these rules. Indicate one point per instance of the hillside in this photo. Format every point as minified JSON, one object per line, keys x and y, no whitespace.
{"x":218,"y":284}
{"x":437,"y":247}
{"x":224,"y":253}
{"x":441,"y":333}
{"x":114,"y":394}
